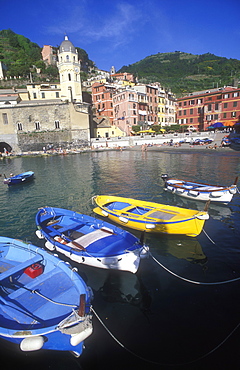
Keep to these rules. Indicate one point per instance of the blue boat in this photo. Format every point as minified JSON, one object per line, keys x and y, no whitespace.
{"x":44,"y":303}
{"x":19,"y":179}
{"x":87,"y":240}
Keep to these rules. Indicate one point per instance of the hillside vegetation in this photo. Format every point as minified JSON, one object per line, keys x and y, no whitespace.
{"x":184,"y":73}
{"x":20,"y":56}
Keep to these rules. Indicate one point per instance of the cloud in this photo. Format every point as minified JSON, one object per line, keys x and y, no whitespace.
{"x":117,"y":26}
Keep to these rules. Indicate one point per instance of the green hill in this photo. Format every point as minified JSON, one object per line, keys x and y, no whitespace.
{"x":184,"y":73}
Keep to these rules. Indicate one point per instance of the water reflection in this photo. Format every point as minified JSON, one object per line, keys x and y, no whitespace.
{"x":125,"y":288}
{"x":188,"y":249}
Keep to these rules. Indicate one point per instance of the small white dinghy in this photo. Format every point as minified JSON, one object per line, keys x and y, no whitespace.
{"x":199,"y":191}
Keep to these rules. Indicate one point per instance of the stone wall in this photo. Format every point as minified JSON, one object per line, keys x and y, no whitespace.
{"x":73,"y":131}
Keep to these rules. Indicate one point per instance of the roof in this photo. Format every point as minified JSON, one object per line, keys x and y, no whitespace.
{"x":67,"y":46}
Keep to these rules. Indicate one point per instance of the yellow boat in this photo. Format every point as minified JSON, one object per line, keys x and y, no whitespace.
{"x":149,"y":216}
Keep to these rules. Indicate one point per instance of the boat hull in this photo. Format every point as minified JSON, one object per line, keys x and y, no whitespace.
{"x":199,"y":191}
{"x":19,"y":179}
{"x":40,"y":306}
{"x":174,"y":220}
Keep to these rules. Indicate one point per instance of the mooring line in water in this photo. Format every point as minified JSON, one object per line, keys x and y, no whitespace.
{"x":161,"y":363}
{"x":208,"y":237}
{"x":192,"y":281}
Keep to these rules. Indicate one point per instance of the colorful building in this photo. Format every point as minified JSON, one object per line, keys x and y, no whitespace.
{"x":202,"y":109}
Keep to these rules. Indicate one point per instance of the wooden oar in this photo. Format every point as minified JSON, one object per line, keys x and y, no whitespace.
{"x":236,"y":180}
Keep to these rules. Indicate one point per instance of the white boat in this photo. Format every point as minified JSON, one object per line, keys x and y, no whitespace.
{"x":199,"y":191}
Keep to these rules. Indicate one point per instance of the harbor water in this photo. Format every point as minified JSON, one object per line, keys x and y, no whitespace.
{"x":182,"y":308}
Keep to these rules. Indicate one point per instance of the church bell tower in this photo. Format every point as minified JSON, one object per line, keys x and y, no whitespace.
{"x":69,"y":71}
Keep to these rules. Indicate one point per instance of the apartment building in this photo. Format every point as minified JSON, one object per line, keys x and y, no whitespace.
{"x":125,"y":107}
{"x":201,"y":109}
{"x":102,"y":95}
{"x":134,"y":104}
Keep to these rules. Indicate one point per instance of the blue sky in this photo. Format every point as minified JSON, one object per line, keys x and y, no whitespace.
{"x":122,"y":32}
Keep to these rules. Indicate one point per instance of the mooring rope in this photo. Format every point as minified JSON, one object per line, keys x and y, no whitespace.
{"x":192,"y":281}
{"x":161,"y":363}
{"x":208,"y":237}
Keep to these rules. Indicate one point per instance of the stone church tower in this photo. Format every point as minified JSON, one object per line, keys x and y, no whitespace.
{"x":69,"y":71}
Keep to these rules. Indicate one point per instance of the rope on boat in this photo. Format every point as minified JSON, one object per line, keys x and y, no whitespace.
{"x":50,"y":300}
{"x":160,"y":363}
{"x":192,"y":281}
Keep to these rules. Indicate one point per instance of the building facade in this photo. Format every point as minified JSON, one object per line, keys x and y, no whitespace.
{"x":204,"y":108}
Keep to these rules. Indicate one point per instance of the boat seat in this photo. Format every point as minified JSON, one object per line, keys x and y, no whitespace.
{"x":92,"y":237}
{"x":61,"y":230}
{"x":33,"y":284}
{"x":161,"y":215}
{"x":20,"y":266}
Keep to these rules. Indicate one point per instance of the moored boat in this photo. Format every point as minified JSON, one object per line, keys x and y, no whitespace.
{"x":87,"y":240}
{"x":149,"y":216}
{"x":200,"y":191}
{"x":44,"y":303}
{"x":19,"y":179}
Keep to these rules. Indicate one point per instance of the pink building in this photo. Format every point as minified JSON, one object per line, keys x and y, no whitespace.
{"x":125,"y":108}
{"x":49,"y":54}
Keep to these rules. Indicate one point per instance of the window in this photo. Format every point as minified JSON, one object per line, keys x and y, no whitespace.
{"x":184,"y":112}
{"x":235,"y":94}
{"x":225,"y":105}
{"x":37,"y":125}
{"x":43,"y":95}
{"x":215,"y":116}
{"x":224,"y":115}
{"x":57,"y":94}
{"x":34,"y":96}
{"x":191,"y":111}
{"x":209,"y":107}
{"x":69,"y":77}
{"x":192,"y":102}
{"x":226,"y":96}
{"x":5,"y":118}
{"x":235,"y":103}
{"x":234,"y":114}
{"x":19,"y":126}
{"x":216,"y":106}
{"x":57,"y":124}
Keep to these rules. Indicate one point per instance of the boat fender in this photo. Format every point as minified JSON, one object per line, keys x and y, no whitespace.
{"x":104,"y":213}
{"x":50,"y":246}
{"x":179,"y":190}
{"x":39,"y":234}
{"x":123,"y":219}
{"x":32,"y":343}
{"x":204,"y":216}
{"x":170,"y":188}
{"x":80,"y":337}
{"x":233,"y":190}
{"x":217,"y":194}
{"x":193,"y":193}
{"x":150,"y":226}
